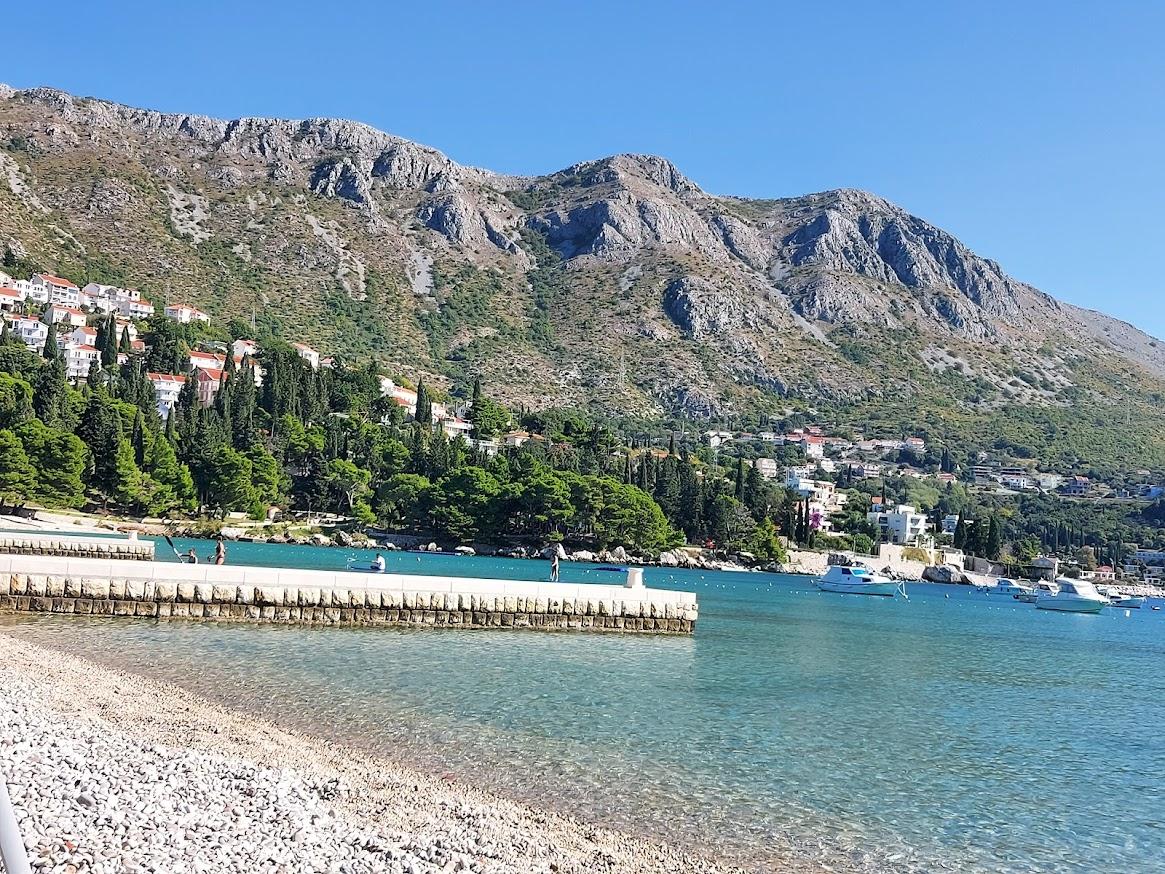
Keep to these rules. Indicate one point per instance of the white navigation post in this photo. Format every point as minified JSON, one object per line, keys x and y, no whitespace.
{"x":634,"y":578}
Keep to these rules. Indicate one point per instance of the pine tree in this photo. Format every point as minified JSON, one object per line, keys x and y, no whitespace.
{"x":51,"y":394}
{"x":93,"y":380}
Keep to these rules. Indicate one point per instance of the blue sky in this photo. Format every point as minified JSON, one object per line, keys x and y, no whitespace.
{"x":1033,"y":130}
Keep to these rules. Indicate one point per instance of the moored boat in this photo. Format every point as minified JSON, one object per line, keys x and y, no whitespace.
{"x":1041,"y":588}
{"x":1075,"y":596}
{"x":857,"y":580}
{"x":1117,"y":598}
{"x":1013,"y":588}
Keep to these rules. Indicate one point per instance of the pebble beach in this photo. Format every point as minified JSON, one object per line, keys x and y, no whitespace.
{"x":110,"y":772}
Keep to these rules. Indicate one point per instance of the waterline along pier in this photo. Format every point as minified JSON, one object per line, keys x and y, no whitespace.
{"x":163,"y":590}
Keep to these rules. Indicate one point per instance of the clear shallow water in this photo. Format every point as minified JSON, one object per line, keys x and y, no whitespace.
{"x":956,"y":730}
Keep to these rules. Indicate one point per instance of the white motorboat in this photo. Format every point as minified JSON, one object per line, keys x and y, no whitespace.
{"x":1013,"y":588}
{"x":857,"y":580}
{"x":1116,"y":598}
{"x":1041,"y":588}
{"x":1075,"y":596}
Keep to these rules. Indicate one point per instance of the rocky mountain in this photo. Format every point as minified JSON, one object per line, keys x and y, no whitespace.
{"x":617,"y":284}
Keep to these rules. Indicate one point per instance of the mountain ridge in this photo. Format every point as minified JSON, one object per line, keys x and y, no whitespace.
{"x":616,"y":283}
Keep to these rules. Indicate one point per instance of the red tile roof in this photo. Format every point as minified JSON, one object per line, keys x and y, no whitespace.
{"x":9,"y":292}
{"x":173,"y":377}
{"x":56,"y":280}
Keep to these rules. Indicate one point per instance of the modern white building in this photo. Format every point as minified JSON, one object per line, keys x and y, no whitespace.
{"x":456,"y":429}
{"x":903,"y":525}
{"x":31,"y":332}
{"x":167,"y":387}
{"x":766,"y":467}
{"x":58,"y":290}
{"x":185,"y":314}
{"x":79,"y":359}
{"x":59,"y":313}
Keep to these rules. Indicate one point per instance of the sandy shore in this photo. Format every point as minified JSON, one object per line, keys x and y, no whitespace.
{"x":111,"y":772}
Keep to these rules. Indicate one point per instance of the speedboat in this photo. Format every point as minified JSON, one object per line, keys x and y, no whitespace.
{"x":857,"y":580}
{"x":1041,"y":588}
{"x":1008,"y":587}
{"x":1075,"y":596}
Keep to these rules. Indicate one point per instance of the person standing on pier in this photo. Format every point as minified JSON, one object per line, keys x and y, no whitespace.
{"x":554,"y":566}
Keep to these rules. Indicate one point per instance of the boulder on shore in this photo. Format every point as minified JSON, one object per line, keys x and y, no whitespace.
{"x":465,"y":550}
{"x":320,"y":540}
{"x":667,"y":558}
{"x":582,"y":555}
{"x":343,"y":538}
{"x":944,"y":573}
{"x":619,"y":554}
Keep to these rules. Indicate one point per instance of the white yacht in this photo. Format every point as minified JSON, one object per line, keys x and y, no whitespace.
{"x":1075,"y":596}
{"x":857,"y":580}
{"x":1043,"y":587}
{"x":1013,"y":588}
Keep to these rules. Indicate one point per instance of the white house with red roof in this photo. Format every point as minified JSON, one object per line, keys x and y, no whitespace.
{"x":813,"y":446}
{"x":71,"y":316}
{"x":207,"y":360}
{"x":79,"y":358}
{"x":82,"y":336}
{"x":456,"y":428}
{"x":185,"y":314}
{"x":31,"y":332}
{"x":244,"y":349}
{"x":137,"y":309}
{"x":167,"y":387}
{"x":308,"y":354}
{"x":11,"y":298}
{"x":60,"y":291}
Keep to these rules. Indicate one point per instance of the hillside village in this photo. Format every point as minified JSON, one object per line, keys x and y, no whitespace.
{"x":820,"y":469}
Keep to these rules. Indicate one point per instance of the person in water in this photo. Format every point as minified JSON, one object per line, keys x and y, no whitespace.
{"x":192,"y":557}
{"x":554,"y":567}
{"x":220,"y":551}
{"x":378,"y":564}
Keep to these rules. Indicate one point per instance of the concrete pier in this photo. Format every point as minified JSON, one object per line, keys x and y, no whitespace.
{"x":30,"y":583}
{"x":76,"y":546}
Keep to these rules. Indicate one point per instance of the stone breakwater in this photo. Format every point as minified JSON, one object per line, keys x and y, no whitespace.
{"x":112,"y":773}
{"x":72,"y":546}
{"x":163,"y":590}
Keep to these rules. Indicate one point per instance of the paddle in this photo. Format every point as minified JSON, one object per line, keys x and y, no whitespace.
{"x":179,"y":555}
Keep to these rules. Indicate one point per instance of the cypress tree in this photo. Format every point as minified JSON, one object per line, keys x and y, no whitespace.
{"x":424,"y":413}
{"x":51,"y":351}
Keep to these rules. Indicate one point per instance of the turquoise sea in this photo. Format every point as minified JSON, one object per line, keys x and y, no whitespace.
{"x":954,"y":731}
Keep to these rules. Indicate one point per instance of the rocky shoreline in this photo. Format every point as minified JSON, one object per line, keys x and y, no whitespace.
{"x":111,"y":772}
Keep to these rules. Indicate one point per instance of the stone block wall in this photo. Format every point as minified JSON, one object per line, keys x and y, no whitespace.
{"x":73,"y":546}
{"x":271,"y":595}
